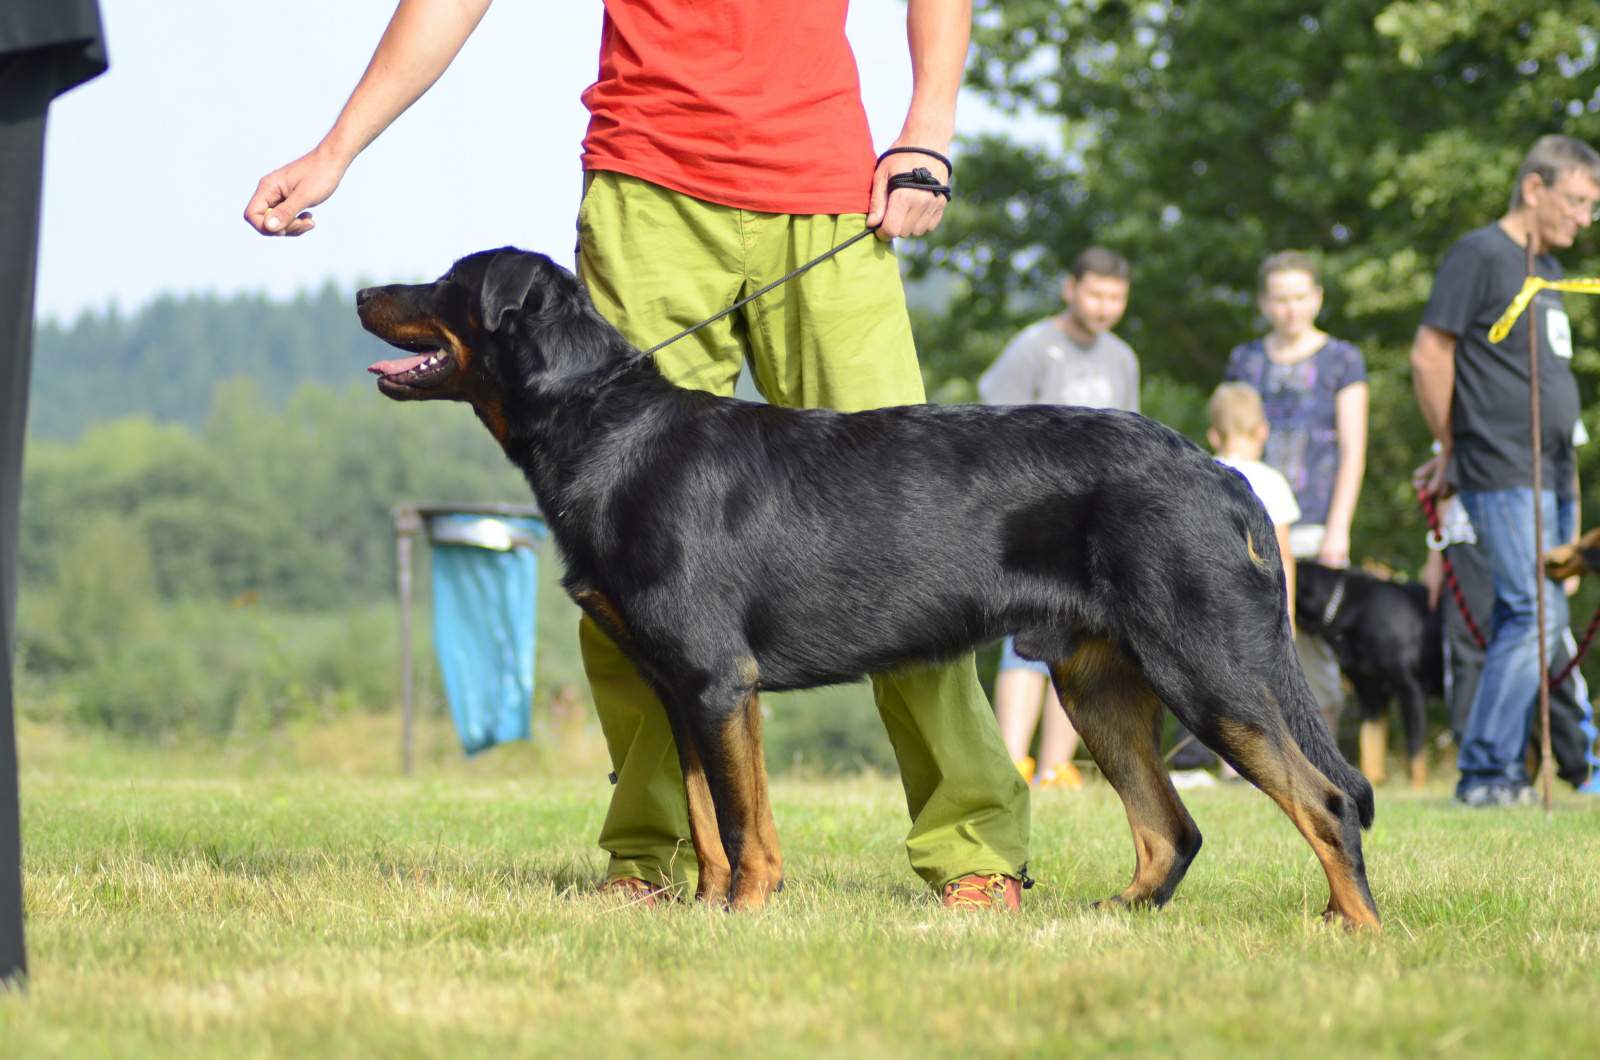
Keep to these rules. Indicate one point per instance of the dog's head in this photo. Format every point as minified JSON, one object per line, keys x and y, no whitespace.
{"x":1314,"y":589}
{"x":499,"y":322}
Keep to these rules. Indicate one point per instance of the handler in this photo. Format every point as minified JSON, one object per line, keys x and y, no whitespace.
{"x":1475,"y":397}
{"x":728,"y":144}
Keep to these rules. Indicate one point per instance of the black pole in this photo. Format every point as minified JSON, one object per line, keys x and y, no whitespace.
{"x":46,"y":47}
{"x":22,"y":115}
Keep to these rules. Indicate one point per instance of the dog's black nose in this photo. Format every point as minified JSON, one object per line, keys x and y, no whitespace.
{"x":363,"y":294}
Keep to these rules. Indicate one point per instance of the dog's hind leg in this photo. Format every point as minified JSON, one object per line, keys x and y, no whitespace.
{"x":1118,"y":717}
{"x":1414,"y":713}
{"x":725,"y":729}
{"x":1374,"y":733}
{"x":766,"y":826}
{"x":715,"y":875}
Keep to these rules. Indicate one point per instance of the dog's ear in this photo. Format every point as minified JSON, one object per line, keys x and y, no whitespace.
{"x":506,"y":285}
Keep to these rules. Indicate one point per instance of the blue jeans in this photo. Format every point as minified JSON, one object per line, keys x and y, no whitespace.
{"x":1496,"y":736}
{"x":1010,"y":660}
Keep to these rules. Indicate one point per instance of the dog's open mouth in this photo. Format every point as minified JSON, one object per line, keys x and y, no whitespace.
{"x":428,"y":367}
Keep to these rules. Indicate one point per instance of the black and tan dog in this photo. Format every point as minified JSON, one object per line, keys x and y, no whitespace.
{"x":732,"y":547}
{"x":1390,"y":645}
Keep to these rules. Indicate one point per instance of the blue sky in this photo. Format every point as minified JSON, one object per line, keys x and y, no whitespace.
{"x":149,"y":167}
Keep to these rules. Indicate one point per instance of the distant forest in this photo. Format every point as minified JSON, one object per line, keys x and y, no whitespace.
{"x":164,"y":360}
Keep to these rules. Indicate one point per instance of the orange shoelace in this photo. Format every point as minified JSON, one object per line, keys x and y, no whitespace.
{"x":979,"y":892}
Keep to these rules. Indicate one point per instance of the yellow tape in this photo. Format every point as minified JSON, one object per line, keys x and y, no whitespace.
{"x":1532,"y":286}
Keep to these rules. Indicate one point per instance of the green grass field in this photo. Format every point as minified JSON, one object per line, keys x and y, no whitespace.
{"x":301,"y":900}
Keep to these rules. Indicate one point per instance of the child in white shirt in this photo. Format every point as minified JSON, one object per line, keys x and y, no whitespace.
{"x":1238,"y":437}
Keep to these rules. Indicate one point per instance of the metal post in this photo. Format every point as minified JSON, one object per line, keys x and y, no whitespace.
{"x":406,"y":526}
{"x":1539,"y":578}
{"x":410,"y":522}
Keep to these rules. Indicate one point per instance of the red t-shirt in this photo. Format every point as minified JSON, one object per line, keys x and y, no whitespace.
{"x":745,"y":103}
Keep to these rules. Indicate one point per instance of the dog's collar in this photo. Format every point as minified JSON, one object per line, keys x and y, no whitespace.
{"x":1335,"y":601}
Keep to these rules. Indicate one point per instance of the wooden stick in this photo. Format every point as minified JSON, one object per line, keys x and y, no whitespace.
{"x":1545,"y":772}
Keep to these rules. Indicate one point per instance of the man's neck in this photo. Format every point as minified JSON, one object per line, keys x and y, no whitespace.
{"x":1075,"y":329}
{"x":1519,"y":227}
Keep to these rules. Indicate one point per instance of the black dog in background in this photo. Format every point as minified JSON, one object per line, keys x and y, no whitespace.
{"x":1389,"y":644}
{"x":730,"y":547}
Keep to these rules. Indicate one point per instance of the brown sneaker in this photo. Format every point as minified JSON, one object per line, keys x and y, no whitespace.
{"x":984,"y":892}
{"x":631,"y":890}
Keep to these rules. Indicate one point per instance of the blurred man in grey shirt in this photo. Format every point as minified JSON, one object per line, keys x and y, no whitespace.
{"x":1071,"y":358}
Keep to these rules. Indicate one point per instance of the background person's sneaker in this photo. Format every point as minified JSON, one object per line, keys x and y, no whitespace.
{"x":1062,"y":775}
{"x":1481,"y":795}
{"x":1590,"y":786}
{"x":1498,"y":793}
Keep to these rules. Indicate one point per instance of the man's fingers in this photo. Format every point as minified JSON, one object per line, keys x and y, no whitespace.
{"x":300,"y":225}
{"x":269,"y":193}
{"x":875,"y":204}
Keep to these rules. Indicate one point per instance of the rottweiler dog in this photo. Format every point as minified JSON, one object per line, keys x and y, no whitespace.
{"x":731,"y":547}
{"x":1389,"y":644}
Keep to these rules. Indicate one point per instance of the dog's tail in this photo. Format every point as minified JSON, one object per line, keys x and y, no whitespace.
{"x":1310,"y":732}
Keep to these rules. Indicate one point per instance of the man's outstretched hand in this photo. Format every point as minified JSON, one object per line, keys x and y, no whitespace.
{"x":283,"y":198}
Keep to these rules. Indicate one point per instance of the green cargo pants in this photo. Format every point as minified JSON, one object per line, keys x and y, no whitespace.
{"x":656,"y":261}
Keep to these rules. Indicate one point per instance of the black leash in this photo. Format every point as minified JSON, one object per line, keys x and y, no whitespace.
{"x":920,"y":179}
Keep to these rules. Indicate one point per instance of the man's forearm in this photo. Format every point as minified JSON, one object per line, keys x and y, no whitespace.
{"x":938,"y":32}
{"x":1433,"y":380}
{"x":422,"y":38}
{"x":1351,"y":426}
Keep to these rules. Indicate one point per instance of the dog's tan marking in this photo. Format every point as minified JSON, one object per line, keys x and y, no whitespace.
{"x":493,"y":416}
{"x":1280,"y":769}
{"x":1262,"y":563}
{"x":1374,"y":744}
{"x":599,"y":607}
{"x":716,"y":875}
{"x":760,"y":868}
{"x":1419,"y":771}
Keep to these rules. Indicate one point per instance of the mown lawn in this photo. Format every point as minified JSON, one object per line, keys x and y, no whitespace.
{"x":229,"y":905}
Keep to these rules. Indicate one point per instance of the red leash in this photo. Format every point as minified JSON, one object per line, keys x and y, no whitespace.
{"x":1431,"y":511}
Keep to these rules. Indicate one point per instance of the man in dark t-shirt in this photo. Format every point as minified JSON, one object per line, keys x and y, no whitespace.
{"x":1475,"y":396}
{"x":46,"y":47}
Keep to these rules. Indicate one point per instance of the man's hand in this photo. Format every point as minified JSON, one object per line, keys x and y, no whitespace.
{"x":281,"y":204}
{"x":1429,"y":479}
{"x":907,"y":212}
{"x":1432,"y":577}
{"x":1335,"y":550}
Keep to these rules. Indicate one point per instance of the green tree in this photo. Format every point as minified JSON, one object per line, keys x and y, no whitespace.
{"x":1197,"y":137}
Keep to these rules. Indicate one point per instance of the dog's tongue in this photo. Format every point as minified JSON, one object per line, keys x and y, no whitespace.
{"x":399,"y":364}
